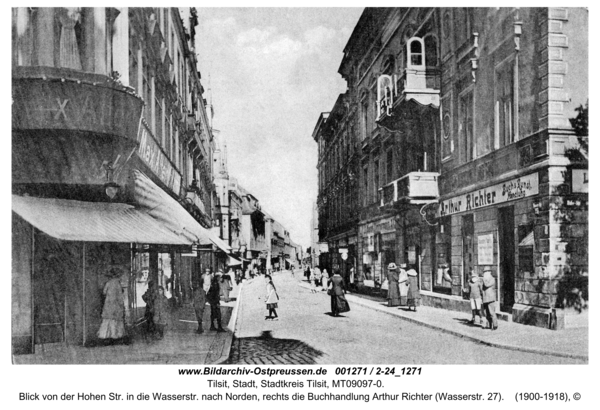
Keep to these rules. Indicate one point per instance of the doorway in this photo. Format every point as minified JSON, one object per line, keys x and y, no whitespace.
{"x":506,"y":238}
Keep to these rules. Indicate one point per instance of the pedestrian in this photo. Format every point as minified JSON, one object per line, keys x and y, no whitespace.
{"x":337,"y":291}
{"x":317,"y":275}
{"x":489,"y":299}
{"x":325,"y":279}
{"x":161,"y":312}
{"x":475,"y":291}
{"x":307,"y":273}
{"x":414,"y":296}
{"x":226,"y":285}
{"x":271,"y":298}
{"x":214,"y":300}
{"x":199,"y":303}
{"x":393,"y":289}
{"x":149,"y":297}
{"x":112,"y":328}
{"x":352,"y":284}
{"x":403,"y":284}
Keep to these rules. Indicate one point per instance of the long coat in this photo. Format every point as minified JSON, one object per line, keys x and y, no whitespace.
{"x":339,"y":304}
{"x":403,"y":285}
{"x":393,"y":290}
{"x":413,"y":288}
{"x":113,"y":302}
{"x":489,"y":287}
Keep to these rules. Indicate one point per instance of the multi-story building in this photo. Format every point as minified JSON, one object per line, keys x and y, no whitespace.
{"x":111,"y":154}
{"x":338,"y":205}
{"x":468,"y":155}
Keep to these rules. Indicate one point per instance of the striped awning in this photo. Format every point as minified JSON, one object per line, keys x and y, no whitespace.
{"x":152,"y":199}
{"x":93,"y":221}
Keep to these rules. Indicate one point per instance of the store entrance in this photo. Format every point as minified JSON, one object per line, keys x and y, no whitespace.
{"x":506,"y":237}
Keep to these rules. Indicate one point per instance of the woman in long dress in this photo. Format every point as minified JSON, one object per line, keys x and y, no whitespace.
{"x":414,"y":296}
{"x":393,"y":290}
{"x":403,"y":284}
{"x":112,"y":328}
{"x":336,"y":289}
{"x":271,"y":298}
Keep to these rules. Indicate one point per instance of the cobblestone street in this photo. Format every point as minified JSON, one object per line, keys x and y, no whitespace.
{"x":307,"y":334}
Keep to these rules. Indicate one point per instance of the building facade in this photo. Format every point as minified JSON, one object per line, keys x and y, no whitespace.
{"x":470,"y":154}
{"x":112,"y":154}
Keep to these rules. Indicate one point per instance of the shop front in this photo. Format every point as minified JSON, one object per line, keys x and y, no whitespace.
{"x":494,"y":227}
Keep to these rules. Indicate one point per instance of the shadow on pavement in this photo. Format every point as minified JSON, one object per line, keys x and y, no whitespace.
{"x":265,"y":349}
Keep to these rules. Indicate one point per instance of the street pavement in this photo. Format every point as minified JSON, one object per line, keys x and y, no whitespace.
{"x":372,"y":333}
{"x":180,"y":344}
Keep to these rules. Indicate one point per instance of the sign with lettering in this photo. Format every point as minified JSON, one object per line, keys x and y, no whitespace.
{"x":512,"y":190}
{"x":150,"y":153}
{"x":485,"y":249}
{"x":580,"y":179}
{"x":67,"y":105}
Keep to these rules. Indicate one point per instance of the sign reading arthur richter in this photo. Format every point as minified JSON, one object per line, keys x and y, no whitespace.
{"x":514,"y":189}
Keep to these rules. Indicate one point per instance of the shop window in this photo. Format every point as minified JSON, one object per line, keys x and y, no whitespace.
{"x":526,"y":248}
{"x":468,"y":242}
{"x":442,"y":283}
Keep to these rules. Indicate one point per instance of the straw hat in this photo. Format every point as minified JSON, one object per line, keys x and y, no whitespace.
{"x":392,"y":266}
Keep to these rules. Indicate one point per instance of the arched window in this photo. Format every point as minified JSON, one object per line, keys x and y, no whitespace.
{"x":416,"y":53}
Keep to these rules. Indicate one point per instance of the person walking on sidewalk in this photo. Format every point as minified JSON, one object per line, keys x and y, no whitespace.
{"x":271,"y":298}
{"x":489,"y":299}
{"x":414,"y":296}
{"x":475,"y":291}
{"x":214,"y":300}
{"x":393,"y":290}
{"x":336,"y":290}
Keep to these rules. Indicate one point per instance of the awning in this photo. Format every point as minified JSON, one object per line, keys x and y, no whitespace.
{"x":93,"y":221}
{"x":167,"y":210}
{"x":233,"y":262}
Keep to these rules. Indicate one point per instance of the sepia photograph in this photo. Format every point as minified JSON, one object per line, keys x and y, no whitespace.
{"x":299,"y":186}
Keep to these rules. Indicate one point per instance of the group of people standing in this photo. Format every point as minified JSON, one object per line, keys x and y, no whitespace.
{"x":482,"y":295}
{"x":403,"y":286}
{"x":210,"y":288}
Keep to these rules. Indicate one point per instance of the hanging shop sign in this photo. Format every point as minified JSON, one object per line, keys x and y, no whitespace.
{"x":512,"y":190}
{"x":152,"y":155}
{"x":485,"y":249}
{"x":323,"y":247}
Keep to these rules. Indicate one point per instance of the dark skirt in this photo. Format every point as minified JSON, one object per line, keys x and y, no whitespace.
{"x":271,"y":305}
{"x":339,"y":304}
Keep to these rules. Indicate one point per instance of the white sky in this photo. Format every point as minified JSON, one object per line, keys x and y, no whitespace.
{"x":272,"y":72}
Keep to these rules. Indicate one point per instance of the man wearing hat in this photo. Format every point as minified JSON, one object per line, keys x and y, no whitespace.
{"x":393,"y":290}
{"x":489,"y":298}
{"x":475,"y":292}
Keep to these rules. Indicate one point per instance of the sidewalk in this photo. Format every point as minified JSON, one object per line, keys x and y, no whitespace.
{"x":571,"y":343}
{"x":180,"y":345}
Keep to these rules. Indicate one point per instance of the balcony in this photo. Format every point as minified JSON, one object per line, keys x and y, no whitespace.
{"x":413,"y":188}
{"x":419,"y":84}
